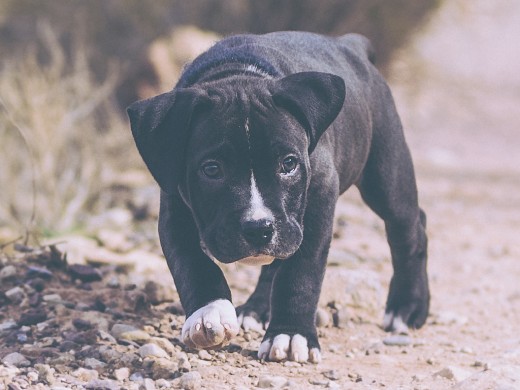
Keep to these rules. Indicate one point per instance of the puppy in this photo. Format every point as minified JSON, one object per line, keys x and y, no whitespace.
{"x":251,"y":150}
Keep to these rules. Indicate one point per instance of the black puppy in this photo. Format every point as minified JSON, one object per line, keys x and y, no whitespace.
{"x":251,"y":150}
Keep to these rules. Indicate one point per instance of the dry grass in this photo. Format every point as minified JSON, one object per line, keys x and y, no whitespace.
{"x":59,"y":134}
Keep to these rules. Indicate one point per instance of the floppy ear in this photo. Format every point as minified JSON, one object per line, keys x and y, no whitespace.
{"x":313,"y":98}
{"x":160,"y":128}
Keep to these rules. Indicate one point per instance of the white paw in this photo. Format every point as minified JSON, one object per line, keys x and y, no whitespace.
{"x":212,"y":326}
{"x":284,"y":347}
{"x":394,"y":323}
{"x":250,"y":323}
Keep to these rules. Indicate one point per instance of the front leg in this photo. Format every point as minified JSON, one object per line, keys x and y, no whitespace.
{"x":211,"y":320}
{"x":296,"y":289}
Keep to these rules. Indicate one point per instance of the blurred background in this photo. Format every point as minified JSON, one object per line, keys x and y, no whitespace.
{"x":69,"y":68}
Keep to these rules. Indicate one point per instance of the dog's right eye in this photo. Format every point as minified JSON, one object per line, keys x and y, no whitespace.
{"x":212,"y":170}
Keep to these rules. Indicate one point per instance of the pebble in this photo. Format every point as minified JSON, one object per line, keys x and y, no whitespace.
{"x":183,"y":362}
{"x":204,"y":355}
{"x":318,"y":382}
{"x":16,"y":359}
{"x":333,"y":375}
{"x":190,"y":381}
{"x":163,"y":384}
{"x":45,"y":373}
{"x":15,"y":295}
{"x":453,"y":373}
{"x":129,"y":332}
{"x":122,"y":374}
{"x":8,"y":325}
{"x":341,"y":318}
{"x":85,"y":375}
{"x":81,"y":324}
{"x":270,"y":381}
{"x":85,"y":273}
{"x":94,"y":364}
{"x":105,"y":384}
{"x":32,"y":317}
{"x":152,"y":350}
{"x":165,"y":344}
{"x":323,"y":318}
{"x":7,"y":272}
{"x":163,"y":368}
{"x":136,"y":377}
{"x":38,"y":272}
{"x":148,"y":384}
{"x":397,"y":340}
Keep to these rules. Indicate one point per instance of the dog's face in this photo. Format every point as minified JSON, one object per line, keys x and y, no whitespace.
{"x":237,"y":152}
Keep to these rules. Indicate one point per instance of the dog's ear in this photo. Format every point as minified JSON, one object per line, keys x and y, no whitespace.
{"x":160,"y":126}
{"x":313,"y":98}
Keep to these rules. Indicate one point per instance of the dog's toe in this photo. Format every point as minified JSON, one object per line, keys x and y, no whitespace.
{"x":286,"y":347}
{"x":211,"y":326}
{"x":250,"y":323}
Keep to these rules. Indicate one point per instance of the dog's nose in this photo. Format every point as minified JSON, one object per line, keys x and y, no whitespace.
{"x":258,"y":232}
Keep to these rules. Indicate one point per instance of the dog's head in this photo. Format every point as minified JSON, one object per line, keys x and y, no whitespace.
{"x":238,"y":154}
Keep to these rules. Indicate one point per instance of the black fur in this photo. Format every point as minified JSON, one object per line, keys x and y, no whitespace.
{"x":246,"y":107}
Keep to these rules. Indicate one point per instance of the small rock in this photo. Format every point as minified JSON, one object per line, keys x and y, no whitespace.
{"x":449,"y":318}
{"x":190,"y":381}
{"x":165,"y":344}
{"x":95,"y":319}
{"x":341,"y":318}
{"x":204,"y":355}
{"x":8,"y":272}
{"x":136,"y":377}
{"x":318,"y":382}
{"x":85,"y":375}
{"x":81,"y":324}
{"x":113,"y":282}
{"x":148,"y":384}
{"x":157,"y":293}
{"x":323,"y":318}
{"x":105,"y":384}
{"x":152,"y":350}
{"x":453,"y":373}
{"x":16,"y":359}
{"x":38,"y":272}
{"x":176,"y":308}
{"x":183,"y":362}
{"x":45,"y":373}
{"x":333,"y":375}
{"x":122,"y":374}
{"x":85,"y":273}
{"x":53,"y":299}
{"x":270,"y":381}
{"x":94,"y":364}
{"x":107,"y":337}
{"x":164,"y":368}
{"x":15,"y":295}
{"x":8,"y":325}
{"x":32,"y":317}
{"x":397,"y":340}
{"x":129,"y":332}
{"x":163,"y":384}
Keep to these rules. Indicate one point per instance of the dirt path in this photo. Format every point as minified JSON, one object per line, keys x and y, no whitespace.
{"x":461,"y":117}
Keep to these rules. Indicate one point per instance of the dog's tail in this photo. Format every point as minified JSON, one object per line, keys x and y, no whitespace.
{"x":361,"y":45}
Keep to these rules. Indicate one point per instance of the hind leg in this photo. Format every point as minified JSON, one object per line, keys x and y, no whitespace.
{"x":254,"y":314}
{"x":388,"y":187}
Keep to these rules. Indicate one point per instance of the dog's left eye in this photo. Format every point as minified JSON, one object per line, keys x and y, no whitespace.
{"x":289,"y":164}
{"x":212,"y":170}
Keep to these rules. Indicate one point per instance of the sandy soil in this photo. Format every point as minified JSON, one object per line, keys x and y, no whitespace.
{"x":465,"y":146}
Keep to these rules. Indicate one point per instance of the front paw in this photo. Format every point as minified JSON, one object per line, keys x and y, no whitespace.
{"x":289,"y":347}
{"x":211,"y":326}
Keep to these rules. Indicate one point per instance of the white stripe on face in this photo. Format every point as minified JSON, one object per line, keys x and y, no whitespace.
{"x":257,"y":207}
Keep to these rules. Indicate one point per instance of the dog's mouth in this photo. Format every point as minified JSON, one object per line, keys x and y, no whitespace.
{"x":257,"y":260}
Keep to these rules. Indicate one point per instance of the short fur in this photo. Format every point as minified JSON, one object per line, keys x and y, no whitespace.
{"x":250,"y":107}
